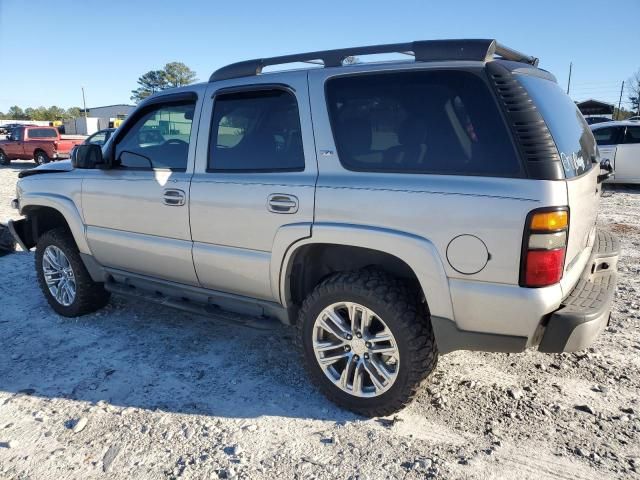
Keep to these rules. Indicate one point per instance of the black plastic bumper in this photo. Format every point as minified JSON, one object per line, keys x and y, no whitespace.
{"x":586,"y":310}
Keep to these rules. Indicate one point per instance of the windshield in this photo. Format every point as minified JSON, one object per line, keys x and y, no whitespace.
{"x":569,"y":130}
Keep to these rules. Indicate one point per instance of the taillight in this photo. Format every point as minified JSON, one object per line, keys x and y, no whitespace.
{"x":544,"y":247}
{"x":55,"y":145}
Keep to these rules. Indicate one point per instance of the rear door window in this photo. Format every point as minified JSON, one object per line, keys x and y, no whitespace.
{"x":571,"y":133}
{"x":607,"y":135}
{"x":435,"y":122}
{"x":256,"y":131}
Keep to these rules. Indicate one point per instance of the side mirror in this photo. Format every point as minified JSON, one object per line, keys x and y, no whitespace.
{"x":606,"y":166}
{"x":87,"y":156}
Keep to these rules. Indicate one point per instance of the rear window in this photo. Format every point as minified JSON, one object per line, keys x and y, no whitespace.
{"x":570,"y":131}
{"x":43,"y":133}
{"x":437,"y":122}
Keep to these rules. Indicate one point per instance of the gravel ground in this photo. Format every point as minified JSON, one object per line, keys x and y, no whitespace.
{"x":138,"y":391}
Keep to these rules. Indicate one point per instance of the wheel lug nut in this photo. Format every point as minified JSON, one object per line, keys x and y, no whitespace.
{"x":359,"y":335}
{"x":368,"y":344}
{"x":366,"y":355}
{"x":349,"y":337}
{"x":356,"y":358}
{"x":347,"y":348}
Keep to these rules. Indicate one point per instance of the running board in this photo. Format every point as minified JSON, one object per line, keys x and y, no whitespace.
{"x":185,"y":304}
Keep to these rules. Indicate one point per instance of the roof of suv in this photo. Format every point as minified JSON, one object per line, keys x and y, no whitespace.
{"x":481,"y":50}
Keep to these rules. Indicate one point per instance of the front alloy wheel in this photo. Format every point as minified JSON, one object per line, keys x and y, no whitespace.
{"x":58,"y":275}
{"x":355,"y":349}
{"x":63,"y":277}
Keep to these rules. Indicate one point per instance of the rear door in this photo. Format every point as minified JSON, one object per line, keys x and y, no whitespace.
{"x":627,"y":166}
{"x":253,"y":188}
{"x":578,"y":152}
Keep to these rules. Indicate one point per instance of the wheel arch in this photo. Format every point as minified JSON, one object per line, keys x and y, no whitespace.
{"x":45,"y":212}
{"x":337,"y":247}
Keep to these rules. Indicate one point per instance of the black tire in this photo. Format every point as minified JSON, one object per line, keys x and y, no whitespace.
{"x":90,"y":296}
{"x":404,"y":315}
{"x":4,"y":160}
{"x":40,"y":157}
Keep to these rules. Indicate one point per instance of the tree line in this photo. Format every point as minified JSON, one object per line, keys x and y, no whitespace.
{"x":40,"y":113}
{"x":172,"y":75}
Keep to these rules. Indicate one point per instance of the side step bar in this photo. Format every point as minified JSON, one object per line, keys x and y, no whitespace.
{"x":183,"y":303}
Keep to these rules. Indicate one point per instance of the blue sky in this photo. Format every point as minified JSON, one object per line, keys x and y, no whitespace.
{"x":49,"y":49}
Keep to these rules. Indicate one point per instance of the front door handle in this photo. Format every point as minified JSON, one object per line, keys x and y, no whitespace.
{"x":282,"y":203}
{"x":173,"y":197}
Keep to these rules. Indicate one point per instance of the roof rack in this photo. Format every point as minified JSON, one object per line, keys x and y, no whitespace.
{"x":423,"y":51}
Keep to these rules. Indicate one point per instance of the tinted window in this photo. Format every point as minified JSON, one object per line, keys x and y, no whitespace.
{"x":632,"y":135}
{"x":256,"y":131}
{"x":441,"y":122}
{"x":158,"y":139}
{"x":43,"y":133}
{"x":569,"y":130}
{"x":607,"y":135}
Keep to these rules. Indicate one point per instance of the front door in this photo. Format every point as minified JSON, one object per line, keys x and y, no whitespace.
{"x":14,"y":148}
{"x":253,"y":188}
{"x":137,"y":214}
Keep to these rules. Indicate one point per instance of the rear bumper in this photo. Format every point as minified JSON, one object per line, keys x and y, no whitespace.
{"x":61,"y":155}
{"x":586,"y":310}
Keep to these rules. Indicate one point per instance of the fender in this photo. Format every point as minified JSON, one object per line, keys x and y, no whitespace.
{"x":417,"y":252}
{"x":66,"y":207}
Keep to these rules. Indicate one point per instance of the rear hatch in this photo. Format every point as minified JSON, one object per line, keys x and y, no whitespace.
{"x":580,"y":161}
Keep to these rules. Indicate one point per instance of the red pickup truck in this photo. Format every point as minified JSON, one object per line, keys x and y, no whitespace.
{"x":43,"y":144}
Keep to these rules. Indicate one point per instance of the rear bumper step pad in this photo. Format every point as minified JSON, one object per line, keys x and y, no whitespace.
{"x":586,"y":310}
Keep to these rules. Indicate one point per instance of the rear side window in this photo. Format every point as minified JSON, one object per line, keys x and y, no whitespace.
{"x":571,"y":133}
{"x":43,"y":133}
{"x":632,"y":135}
{"x":607,"y":135}
{"x":256,"y":131}
{"x":438,"y":122}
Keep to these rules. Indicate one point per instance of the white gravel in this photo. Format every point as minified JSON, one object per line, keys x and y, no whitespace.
{"x":139,"y":391}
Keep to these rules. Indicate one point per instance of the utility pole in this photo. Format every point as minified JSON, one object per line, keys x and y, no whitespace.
{"x":84,"y":103}
{"x":569,"y":82}
{"x":620,"y":100}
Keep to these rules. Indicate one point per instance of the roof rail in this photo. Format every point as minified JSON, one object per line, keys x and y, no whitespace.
{"x":422,"y":50}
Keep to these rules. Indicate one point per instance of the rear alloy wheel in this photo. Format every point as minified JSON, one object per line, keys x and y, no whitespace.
{"x":366,"y":341}
{"x":4,"y":160}
{"x":355,"y":349}
{"x":41,"y":158}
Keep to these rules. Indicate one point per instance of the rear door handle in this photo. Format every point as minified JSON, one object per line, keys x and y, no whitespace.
{"x":282,"y":203}
{"x":173,"y":197}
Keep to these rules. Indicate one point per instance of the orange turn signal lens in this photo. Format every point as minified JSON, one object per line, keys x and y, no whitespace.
{"x":550,"y":220}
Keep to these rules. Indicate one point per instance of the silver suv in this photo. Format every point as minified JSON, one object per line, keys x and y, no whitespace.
{"x":391,"y":211}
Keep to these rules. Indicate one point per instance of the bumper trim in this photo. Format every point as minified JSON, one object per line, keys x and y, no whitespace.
{"x":586,"y":310}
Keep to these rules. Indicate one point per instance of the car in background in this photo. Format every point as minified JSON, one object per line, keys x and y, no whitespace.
{"x":594,"y":120}
{"x":43,"y":144}
{"x":634,"y":119}
{"x":619,"y":142}
{"x":99,"y":138}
